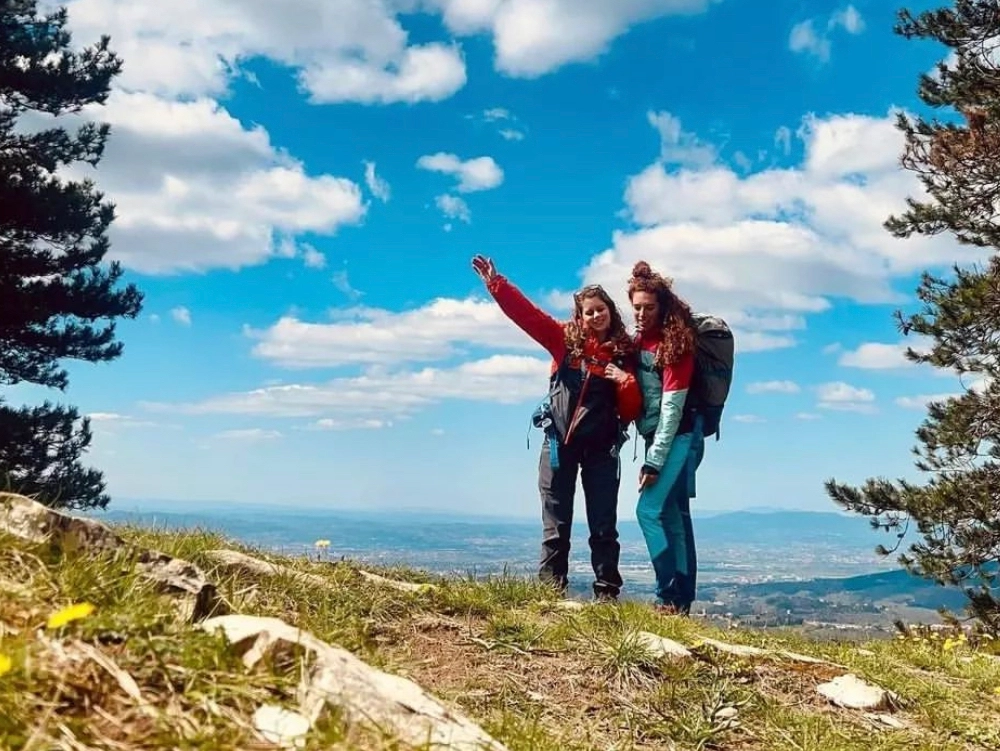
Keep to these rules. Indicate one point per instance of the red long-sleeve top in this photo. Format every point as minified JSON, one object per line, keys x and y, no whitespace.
{"x":551,"y":334}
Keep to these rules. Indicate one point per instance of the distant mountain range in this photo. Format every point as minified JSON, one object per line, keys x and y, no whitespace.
{"x":896,"y":586}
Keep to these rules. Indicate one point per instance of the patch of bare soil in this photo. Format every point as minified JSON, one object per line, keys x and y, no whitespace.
{"x":561,"y":691}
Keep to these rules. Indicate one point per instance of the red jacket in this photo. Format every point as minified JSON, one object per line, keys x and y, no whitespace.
{"x":551,"y":334}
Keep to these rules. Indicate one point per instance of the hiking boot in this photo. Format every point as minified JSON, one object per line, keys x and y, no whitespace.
{"x":669,"y":608}
{"x":606,"y":597}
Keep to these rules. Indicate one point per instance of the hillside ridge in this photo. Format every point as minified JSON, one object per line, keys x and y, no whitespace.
{"x":126,"y":638}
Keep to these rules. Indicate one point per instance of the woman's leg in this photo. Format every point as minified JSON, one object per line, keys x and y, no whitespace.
{"x":660,"y":519}
{"x":685,"y":492}
{"x":601,"y":480}
{"x":556,"y":488}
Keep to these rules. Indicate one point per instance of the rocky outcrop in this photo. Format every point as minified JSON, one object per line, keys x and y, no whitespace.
{"x":234,"y":560}
{"x":21,"y":517}
{"x":364,"y":695}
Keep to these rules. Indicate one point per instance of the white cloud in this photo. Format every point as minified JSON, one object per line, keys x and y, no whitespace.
{"x":808,"y":416}
{"x":381,"y":395}
{"x":329,"y":423}
{"x":677,"y":146}
{"x":181,"y":315}
{"x":842,"y":396}
{"x":312,"y":258}
{"x":533,"y":37}
{"x":195,"y":189}
{"x":882,"y":356}
{"x":343,"y":283}
{"x":742,"y":161}
{"x":367,"y":335}
{"x":376,"y":185}
{"x":350,"y":50}
{"x":480,"y":173}
{"x":876,"y":356}
{"x":848,"y":19}
{"x":496,"y":113}
{"x":107,"y":422}
{"x":453,"y":207}
{"x":754,"y":419}
{"x":805,"y":38}
{"x":504,"y":120}
{"x":921,"y":401}
{"x":773,"y":387}
{"x":783,"y":139}
{"x":780,"y":242}
{"x":154,"y":318}
{"x":250,"y":435}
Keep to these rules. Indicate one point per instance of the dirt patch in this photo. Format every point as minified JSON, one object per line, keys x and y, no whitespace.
{"x":561,"y":691}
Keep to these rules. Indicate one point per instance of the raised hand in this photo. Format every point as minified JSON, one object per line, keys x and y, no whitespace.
{"x":485,"y":268}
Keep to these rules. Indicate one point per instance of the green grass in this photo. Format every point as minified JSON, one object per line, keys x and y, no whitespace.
{"x":536,"y":676}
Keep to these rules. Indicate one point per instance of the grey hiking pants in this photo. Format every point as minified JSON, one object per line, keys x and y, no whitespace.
{"x":599,"y":471}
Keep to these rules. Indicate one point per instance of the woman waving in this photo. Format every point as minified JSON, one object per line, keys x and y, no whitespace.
{"x":593,"y":395}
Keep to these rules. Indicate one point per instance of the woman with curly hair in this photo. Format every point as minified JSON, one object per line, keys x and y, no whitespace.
{"x":593,"y":395}
{"x":675,"y":444}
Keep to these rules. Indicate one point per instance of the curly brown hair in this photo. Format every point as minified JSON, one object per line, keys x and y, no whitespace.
{"x":676,"y":321}
{"x":577,"y":332}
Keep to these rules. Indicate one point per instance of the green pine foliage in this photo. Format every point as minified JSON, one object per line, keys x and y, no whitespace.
{"x":58,"y":299}
{"x":957,"y":510}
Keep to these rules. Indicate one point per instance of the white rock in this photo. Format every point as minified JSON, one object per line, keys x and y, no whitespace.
{"x":30,"y":520}
{"x":885,"y":721}
{"x":661,"y":646}
{"x":281,"y":726}
{"x":363,"y":693}
{"x":740,"y":650}
{"x":853,"y":693}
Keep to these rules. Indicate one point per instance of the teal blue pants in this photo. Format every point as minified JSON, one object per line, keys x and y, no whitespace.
{"x":664,"y":515}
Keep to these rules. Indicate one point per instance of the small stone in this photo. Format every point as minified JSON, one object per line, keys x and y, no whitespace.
{"x":661,"y":646}
{"x":885,"y":720}
{"x":740,"y":650}
{"x":726,"y":713}
{"x":851,"y":692}
{"x":281,"y":726}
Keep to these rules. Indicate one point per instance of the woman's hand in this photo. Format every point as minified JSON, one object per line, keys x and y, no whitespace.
{"x":485,"y":268}
{"x":646,"y":479}
{"x":615,"y":373}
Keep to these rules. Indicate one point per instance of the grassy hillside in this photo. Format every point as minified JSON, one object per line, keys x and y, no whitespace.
{"x":122,"y":670}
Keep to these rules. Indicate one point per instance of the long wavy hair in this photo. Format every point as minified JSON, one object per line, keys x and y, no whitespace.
{"x":577,"y":331}
{"x":676,"y":321}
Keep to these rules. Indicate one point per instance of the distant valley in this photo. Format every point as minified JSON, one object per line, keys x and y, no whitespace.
{"x":766,"y":568}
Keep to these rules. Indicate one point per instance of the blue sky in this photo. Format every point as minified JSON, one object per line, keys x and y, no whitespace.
{"x":300,"y":187}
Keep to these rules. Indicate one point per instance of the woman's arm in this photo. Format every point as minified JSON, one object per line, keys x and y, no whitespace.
{"x":531,"y":319}
{"x":676,"y":382}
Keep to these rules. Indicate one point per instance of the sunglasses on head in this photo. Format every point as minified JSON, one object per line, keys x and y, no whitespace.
{"x":587,"y":291}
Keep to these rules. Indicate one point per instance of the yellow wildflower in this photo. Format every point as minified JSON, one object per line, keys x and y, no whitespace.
{"x":68,"y":614}
{"x":5,"y":664}
{"x":322,"y":543}
{"x":949,"y":645}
